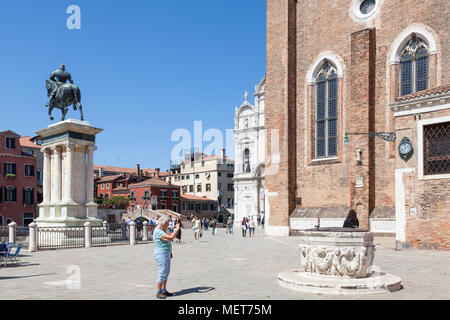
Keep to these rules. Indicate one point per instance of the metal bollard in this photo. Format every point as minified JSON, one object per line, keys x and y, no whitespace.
{"x":132,"y":233}
{"x":145,"y":234}
{"x":12,"y":232}
{"x":32,"y":246}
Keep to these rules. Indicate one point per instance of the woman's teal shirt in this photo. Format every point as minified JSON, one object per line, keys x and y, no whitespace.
{"x":159,"y":243}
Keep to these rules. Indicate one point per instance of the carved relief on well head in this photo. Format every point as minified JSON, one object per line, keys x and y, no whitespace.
{"x":350,"y":262}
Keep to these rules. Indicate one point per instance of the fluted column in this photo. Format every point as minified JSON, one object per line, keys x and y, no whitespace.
{"x":68,"y":189}
{"x":47,"y":182}
{"x":90,"y":174}
{"x":56,"y":175}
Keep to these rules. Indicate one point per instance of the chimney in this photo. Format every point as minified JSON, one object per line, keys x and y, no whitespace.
{"x":100,"y":172}
{"x":158,"y":170}
{"x":139,"y":172}
{"x":224,"y":158}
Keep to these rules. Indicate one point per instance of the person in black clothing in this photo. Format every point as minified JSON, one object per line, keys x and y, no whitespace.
{"x":139,"y":227}
{"x":178,"y":236}
{"x":352,"y":220}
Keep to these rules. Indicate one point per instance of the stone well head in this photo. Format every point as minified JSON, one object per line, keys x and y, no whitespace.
{"x":337,"y":252}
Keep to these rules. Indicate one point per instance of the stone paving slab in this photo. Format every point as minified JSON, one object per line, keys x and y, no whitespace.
{"x":220,"y":267}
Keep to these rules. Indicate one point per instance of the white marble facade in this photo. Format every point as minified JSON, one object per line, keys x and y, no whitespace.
{"x":68,"y":183}
{"x":250,"y":153}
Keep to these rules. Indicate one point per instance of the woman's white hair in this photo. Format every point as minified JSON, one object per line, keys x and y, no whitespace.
{"x":164,"y":219}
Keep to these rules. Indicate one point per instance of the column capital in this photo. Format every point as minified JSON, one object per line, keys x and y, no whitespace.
{"x":56,"y":149}
{"x":70,"y":146}
{"x":90,"y":148}
{"x":46,"y":151}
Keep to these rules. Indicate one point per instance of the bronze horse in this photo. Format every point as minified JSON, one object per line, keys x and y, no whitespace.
{"x":66,"y":95}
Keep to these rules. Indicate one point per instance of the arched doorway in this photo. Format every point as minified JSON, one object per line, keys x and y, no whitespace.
{"x":1,"y":220}
{"x":220,"y":219}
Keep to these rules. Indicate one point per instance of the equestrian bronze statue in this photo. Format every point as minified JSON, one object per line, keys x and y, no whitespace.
{"x":63,"y":94}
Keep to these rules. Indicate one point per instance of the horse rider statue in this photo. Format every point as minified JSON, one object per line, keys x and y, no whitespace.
{"x":60,"y":76}
{"x":63,"y":94}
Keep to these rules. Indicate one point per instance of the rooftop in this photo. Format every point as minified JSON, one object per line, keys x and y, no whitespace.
{"x":122,"y":170}
{"x":109,"y":178}
{"x":28,"y":143}
{"x":190,"y":197}
{"x":151,"y":182}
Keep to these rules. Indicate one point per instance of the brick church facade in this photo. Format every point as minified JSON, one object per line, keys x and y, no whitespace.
{"x":337,"y":70}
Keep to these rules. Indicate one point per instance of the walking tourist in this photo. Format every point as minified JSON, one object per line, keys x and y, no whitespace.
{"x":197,"y":226}
{"x":152,"y":225}
{"x":352,"y":220}
{"x":129,"y":220}
{"x":259,"y":220}
{"x":252,"y":227}
{"x":163,"y":254}
{"x":244,"y":227}
{"x":213,"y":225}
{"x":230,"y":225}
{"x":178,"y":221}
{"x":139,"y":227}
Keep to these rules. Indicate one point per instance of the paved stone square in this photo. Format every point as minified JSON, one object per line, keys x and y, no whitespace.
{"x":219,"y":267}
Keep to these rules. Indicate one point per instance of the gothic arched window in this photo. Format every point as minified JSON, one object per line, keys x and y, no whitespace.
{"x":247,"y":161}
{"x":326,"y":111}
{"x":414,"y":66}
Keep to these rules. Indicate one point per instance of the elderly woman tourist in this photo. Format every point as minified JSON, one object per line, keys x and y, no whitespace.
{"x":163,"y":253}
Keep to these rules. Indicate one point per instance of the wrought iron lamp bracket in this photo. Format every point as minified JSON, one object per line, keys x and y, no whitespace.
{"x":387,"y":136}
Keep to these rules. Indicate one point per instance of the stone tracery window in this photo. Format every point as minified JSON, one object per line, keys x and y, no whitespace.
{"x":414,"y":66}
{"x":326,"y":124}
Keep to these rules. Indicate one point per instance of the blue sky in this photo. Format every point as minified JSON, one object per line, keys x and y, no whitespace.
{"x":144,"y":67}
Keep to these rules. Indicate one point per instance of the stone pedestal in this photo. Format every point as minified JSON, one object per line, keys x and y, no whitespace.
{"x":338,"y":261}
{"x":68,"y":192}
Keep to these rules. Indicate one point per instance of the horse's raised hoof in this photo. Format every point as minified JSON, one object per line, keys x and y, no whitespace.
{"x":51,"y":118}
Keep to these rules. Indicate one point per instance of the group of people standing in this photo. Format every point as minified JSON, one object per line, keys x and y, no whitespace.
{"x":250,"y":225}
{"x":199,"y":225}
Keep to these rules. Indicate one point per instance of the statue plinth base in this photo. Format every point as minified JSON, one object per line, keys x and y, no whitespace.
{"x":68,"y":176}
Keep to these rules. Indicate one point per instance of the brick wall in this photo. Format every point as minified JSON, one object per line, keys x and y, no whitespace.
{"x":281,"y":76}
{"x":431,"y":227}
{"x":328,"y":26}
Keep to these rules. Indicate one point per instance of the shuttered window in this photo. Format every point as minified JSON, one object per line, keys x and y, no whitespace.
{"x":29,"y":170}
{"x":326,"y":125}
{"x":28,"y":196}
{"x":10,"y":143}
{"x":9,"y":168}
{"x":10,"y":194}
